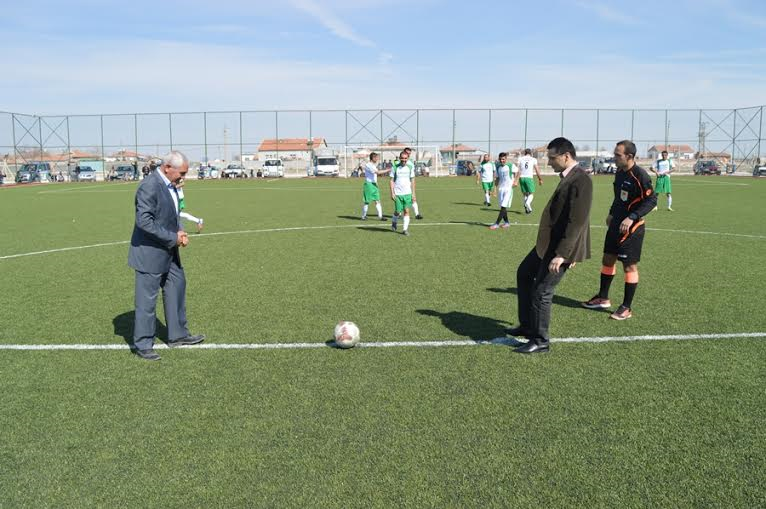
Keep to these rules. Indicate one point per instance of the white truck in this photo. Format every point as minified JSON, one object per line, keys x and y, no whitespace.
{"x":326,"y":165}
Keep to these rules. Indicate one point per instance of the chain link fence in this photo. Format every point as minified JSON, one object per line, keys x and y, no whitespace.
{"x":734,"y":138}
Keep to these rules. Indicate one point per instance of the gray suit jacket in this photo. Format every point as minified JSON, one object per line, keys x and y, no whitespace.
{"x":153,"y":244}
{"x":565,"y":223}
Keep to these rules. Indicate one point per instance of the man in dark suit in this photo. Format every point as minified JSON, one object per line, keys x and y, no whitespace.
{"x":154,"y":254}
{"x":563,"y":238}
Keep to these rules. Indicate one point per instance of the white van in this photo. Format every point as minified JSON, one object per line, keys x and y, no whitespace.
{"x":326,"y":166}
{"x":273,"y":168}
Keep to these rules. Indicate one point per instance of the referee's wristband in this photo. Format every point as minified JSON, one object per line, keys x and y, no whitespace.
{"x":633,"y":216}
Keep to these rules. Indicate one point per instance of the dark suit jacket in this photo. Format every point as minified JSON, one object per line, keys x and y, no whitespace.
{"x":153,"y":244}
{"x":565,"y":224}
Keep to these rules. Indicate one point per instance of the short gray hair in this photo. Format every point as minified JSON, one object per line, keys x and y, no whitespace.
{"x":175,"y":159}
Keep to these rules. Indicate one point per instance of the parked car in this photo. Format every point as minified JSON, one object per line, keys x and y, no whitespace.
{"x":124,"y":173}
{"x":30,"y":172}
{"x":234,"y":171}
{"x":606,"y":166}
{"x":273,"y":168}
{"x":759,"y":170}
{"x":706,"y":167}
{"x":326,"y":166}
{"x":83,"y":174}
{"x":465,"y":167}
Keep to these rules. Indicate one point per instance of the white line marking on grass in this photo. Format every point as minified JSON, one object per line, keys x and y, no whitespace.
{"x":340,"y":226}
{"x":393,"y":344}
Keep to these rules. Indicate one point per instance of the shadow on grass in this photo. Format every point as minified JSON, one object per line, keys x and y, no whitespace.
{"x":559,"y":300}
{"x":124,"y":325}
{"x":373,"y":218}
{"x":472,"y":223}
{"x":474,"y":327}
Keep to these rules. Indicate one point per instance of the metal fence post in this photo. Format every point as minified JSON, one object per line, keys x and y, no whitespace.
{"x":526,"y":123}
{"x":204,"y":134}
{"x":734,"y":140}
{"x":454,"y":125}
{"x":40,"y":131}
{"x":276,"y":130}
{"x":489,"y":132}
{"x":241,"y":162}
{"x":632,"y":123}
{"x":69,"y":145}
{"x":666,"y":130}
{"x":170,"y":129}
{"x":562,"y":121}
{"x":135,"y":132}
{"x":103,"y":155}
{"x":598,"y":121}
{"x":760,"y":134}
{"x":15,"y":145}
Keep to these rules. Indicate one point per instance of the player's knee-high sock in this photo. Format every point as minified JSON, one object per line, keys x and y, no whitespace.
{"x":394,"y":218}
{"x":189,"y":217}
{"x":379,"y":209}
{"x":505,"y":214}
{"x":364,"y":210}
{"x":415,"y":208}
{"x":486,"y":197}
{"x":500,"y":215}
{"x":530,"y":197}
{"x":631,"y":283}
{"x":670,"y":201}
{"x":406,"y":222}
{"x":607,"y":274}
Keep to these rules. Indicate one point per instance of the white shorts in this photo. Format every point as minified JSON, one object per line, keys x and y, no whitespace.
{"x":504,"y":196}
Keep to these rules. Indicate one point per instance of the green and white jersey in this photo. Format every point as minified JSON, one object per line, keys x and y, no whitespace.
{"x":403,"y":177}
{"x":181,"y":201}
{"x":527,"y":165}
{"x":505,"y":175}
{"x":487,"y":171}
{"x":664,"y":166}
{"x":371,"y":173}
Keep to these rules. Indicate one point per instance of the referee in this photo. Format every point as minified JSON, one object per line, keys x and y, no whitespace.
{"x":634,"y":198}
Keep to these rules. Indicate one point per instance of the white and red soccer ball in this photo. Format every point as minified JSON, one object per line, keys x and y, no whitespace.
{"x":346,"y":334}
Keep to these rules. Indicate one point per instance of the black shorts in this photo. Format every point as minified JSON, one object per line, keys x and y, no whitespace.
{"x":627,"y":247}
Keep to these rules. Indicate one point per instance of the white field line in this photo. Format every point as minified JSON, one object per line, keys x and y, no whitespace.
{"x":394,"y":344}
{"x":340,"y":226}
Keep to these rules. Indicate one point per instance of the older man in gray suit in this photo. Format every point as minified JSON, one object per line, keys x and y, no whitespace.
{"x":154,"y":254}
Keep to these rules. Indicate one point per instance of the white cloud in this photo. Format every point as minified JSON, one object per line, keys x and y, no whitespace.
{"x":332,"y":22}
{"x":606,"y":12}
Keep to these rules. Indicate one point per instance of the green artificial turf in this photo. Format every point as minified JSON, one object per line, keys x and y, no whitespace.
{"x":668,"y":424}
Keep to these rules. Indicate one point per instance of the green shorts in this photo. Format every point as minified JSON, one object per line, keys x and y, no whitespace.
{"x":401,"y":202}
{"x":662,"y":185}
{"x":527,"y":185}
{"x":370,"y":192}
{"x":488,"y":186}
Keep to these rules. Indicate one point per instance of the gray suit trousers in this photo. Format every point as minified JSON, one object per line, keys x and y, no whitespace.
{"x":173,"y":285}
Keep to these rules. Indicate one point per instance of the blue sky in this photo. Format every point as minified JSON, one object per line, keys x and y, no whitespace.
{"x":140,"y":56}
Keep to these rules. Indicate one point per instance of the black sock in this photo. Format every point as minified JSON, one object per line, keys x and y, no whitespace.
{"x":630,"y":291}
{"x":499,"y":217}
{"x":504,"y":214}
{"x":606,"y":282}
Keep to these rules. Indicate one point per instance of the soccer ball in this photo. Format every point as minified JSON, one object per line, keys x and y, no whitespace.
{"x":346,"y":334}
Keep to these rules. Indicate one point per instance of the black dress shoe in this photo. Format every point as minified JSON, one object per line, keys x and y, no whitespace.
{"x":519,"y":332}
{"x":533,"y":347}
{"x":188,"y":340}
{"x":149,"y":355}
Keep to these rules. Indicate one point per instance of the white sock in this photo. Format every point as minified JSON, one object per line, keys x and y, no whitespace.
{"x":670,"y":201}
{"x":379,"y":209}
{"x":415,"y":208}
{"x":529,"y":200}
{"x":364,"y":210}
{"x":486,"y":197}
{"x":189,"y":217}
{"x":406,"y":222}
